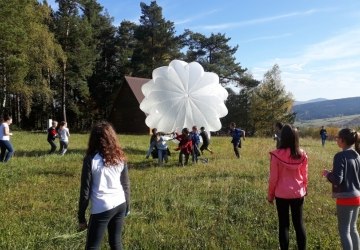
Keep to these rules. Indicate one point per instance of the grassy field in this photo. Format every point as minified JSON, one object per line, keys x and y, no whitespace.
{"x":219,"y":205}
{"x":338,"y":121}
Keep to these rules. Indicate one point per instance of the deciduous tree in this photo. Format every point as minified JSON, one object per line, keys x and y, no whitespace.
{"x":270,"y":102}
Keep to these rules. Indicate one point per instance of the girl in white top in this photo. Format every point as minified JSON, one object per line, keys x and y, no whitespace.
{"x":105,"y":183}
{"x":5,"y":140}
{"x":64,"y":135}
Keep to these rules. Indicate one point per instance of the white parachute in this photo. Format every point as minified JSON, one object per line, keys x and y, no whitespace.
{"x":183,"y":95}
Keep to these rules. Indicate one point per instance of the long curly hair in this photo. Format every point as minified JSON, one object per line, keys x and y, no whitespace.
{"x":103,"y":140}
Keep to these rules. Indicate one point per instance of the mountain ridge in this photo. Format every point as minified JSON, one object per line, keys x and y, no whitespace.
{"x":327,"y":108}
{"x":310,"y":101}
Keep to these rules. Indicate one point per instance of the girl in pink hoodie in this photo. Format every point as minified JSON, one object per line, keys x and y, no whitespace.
{"x":288,"y":185}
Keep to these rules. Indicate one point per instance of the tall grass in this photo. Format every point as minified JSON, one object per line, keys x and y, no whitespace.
{"x":219,"y":205}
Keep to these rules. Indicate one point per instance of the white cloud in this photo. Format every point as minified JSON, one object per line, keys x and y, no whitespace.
{"x":190,"y":19}
{"x":327,"y":69}
{"x":267,"y":38}
{"x":256,"y":21}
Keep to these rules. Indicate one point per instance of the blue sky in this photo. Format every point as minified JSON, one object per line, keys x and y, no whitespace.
{"x":315,"y":43}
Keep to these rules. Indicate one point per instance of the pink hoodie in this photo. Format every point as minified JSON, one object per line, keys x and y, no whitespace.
{"x":288,"y":177}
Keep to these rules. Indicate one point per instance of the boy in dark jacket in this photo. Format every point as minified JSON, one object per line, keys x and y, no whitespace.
{"x":51,"y":136}
{"x":236,"y":134}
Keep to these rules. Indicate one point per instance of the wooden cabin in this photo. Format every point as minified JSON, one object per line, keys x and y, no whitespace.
{"x":126,"y":115}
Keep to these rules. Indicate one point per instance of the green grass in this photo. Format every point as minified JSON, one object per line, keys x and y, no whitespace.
{"x":219,"y":205}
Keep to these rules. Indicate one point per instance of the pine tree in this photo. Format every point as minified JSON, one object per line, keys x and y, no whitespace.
{"x":75,"y":34}
{"x":157,"y":43}
{"x":106,"y":72}
{"x":215,"y":55}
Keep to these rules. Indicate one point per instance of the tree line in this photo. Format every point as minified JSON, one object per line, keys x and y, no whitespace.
{"x":69,"y":64}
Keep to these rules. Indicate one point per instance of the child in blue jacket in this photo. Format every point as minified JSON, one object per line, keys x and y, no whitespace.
{"x":236,"y":134}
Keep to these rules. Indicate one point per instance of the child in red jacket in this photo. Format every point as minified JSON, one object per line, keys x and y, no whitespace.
{"x":185,"y":146}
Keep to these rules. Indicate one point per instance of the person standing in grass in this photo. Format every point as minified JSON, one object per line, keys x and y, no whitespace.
{"x":195,"y":138}
{"x":205,"y":141}
{"x":323,"y":135}
{"x":51,"y":136}
{"x":162,"y":148}
{"x":236,"y":134}
{"x":185,"y":146}
{"x":152,"y":144}
{"x":345,"y":180}
{"x":64,"y":135}
{"x":5,"y":143}
{"x":288,"y":183}
{"x":105,"y":182}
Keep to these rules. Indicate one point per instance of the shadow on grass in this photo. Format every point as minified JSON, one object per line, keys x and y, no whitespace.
{"x":142,"y":165}
{"x":134,"y":151}
{"x":37,"y":153}
{"x":150,"y":163}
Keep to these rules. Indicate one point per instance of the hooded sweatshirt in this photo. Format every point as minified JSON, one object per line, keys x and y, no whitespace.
{"x":345,"y":176}
{"x":288,"y":176}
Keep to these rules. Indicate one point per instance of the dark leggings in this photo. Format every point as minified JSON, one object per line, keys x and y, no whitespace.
{"x":183,"y":155}
{"x":53,"y":146}
{"x":112,"y":220}
{"x":237,"y":145}
{"x":296,"y":206}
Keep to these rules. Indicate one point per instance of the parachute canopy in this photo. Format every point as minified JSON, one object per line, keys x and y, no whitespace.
{"x":183,"y":95}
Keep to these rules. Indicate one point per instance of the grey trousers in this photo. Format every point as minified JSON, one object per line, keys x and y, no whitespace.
{"x":347,"y":218}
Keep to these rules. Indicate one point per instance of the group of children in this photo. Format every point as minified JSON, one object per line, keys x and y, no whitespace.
{"x":189,"y":142}
{"x":61,"y":132}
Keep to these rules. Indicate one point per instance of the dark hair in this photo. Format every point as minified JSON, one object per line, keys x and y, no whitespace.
{"x":62,"y":123}
{"x":6,"y":117}
{"x":194,"y":127}
{"x":185,"y":131}
{"x":233,"y":124}
{"x":279,"y":125}
{"x":103,"y":140}
{"x":290,"y":139}
{"x":350,"y":137}
{"x":202,"y":128}
{"x":154,"y":130}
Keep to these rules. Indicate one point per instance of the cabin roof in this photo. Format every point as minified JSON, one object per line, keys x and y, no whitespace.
{"x":135,"y":84}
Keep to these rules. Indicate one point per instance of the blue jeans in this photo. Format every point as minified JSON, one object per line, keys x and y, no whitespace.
{"x":63,"y":147}
{"x":195,"y":152}
{"x":162,"y":156}
{"x":113,"y":220}
{"x":323,"y":139}
{"x":6,"y":145}
{"x":347,"y":222}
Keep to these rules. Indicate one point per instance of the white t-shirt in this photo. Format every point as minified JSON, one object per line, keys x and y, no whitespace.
{"x":106,"y":190}
{"x":64,"y":134}
{"x":4,"y":137}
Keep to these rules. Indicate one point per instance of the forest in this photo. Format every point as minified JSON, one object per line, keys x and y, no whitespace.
{"x":69,"y":64}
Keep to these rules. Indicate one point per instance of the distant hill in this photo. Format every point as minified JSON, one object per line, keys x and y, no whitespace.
{"x":310,"y":101}
{"x":327,"y":109}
